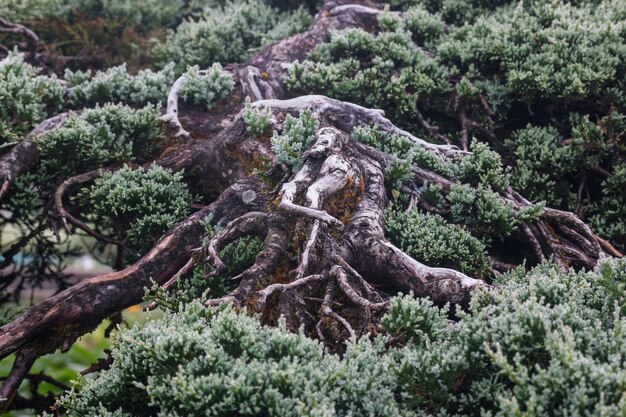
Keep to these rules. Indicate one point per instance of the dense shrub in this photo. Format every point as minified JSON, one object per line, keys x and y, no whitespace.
{"x":297,"y":136}
{"x":139,"y":204}
{"x":545,"y":343}
{"x":98,"y":137}
{"x":431,"y":240}
{"x":26,"y":97}
{"x":542,"y":343}
{"x":227,"y":34}
{"x":214,"y":362}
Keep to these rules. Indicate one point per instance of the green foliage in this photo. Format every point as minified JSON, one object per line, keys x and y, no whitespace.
{"x":297,"y":136}
{"x":99,"y":137}
{"x":425,"y":28}
{"x":485,"y":213}
{"x":228,"y":33}
{"x":147,"y":14}
{"x":543,"y":165}
{"x":397,"y":145}
{"x":139,"y":204}
{"x":204,"y":361}
{"x":8,"y":313}
{"x":399,"y":172}
{"x":384,"y":70}
{"x":482,"y":167}
{"x":455,"y":12}
{"x":609,"y":218}
{"x":545,"y":343}
{"x":414,"y":321}
{"x":550,"y":50}
{"x":487,"y":68}
{"x":431,"y":240}
{"x":207,"y":87}
{"x":257,"y":121}
{"x":27,"y":98}
{"x":116,"y":85}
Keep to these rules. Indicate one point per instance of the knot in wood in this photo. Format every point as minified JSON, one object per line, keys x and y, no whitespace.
{"x":248,"y":196}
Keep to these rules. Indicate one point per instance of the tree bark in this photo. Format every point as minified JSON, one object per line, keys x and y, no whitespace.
{"x":326,"y":263}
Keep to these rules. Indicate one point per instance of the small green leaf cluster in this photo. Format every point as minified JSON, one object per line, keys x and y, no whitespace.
{"x":257,"y":121}
{"x":543,"y":164}
{"x":425,"y":27}
{"x":543,"y":343}
{"x":398,"y":172}
{"x":206,"y":88}
{"x":414,"y":321}
{"x":227,"y":33}
{"x":429,"y":239}
{"x":609,"y":214}
{"x":27,"y":98}
{"x":139,"y":204}
{"x":99,"y":137}
{"x":297,"y":136}
{"x":116,"y":85}
{"x":403,"y":148}
{"x":8,"y":313}
{"x":485,"y":213}
{"x":202,"y":361}
{"x":483,"y":167}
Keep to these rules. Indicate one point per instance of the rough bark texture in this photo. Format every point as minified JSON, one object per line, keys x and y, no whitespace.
{"x":326,"y":264}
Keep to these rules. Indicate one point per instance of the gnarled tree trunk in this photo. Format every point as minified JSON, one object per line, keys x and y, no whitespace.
{"x":326,"y":263}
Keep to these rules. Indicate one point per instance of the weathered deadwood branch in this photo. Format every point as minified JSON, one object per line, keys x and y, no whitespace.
{"x":253,"y":223}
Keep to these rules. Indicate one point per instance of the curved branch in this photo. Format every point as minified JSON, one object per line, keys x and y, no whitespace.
{"x":253,"y":223}
{"x":271,"y":289}
{"x":66,"y":217}
{"x":31,"y":37}
{"x":342,"y":279}
{"x":326,"y":310}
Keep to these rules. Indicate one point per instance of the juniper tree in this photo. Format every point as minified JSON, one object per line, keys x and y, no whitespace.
{"x":310,"y":181}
